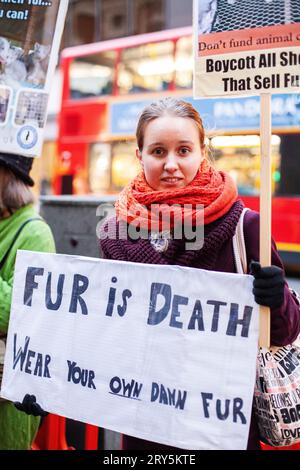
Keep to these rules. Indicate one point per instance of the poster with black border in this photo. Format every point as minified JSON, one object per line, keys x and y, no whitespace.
{"x":30,"y":34}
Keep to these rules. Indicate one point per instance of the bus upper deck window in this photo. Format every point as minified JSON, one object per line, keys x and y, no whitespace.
{"x":92,"y":75}
{"x":146,"y":68}
{"x":184,"y":63}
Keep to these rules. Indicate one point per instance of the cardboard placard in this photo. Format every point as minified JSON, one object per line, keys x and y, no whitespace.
{"x":30,"y":33}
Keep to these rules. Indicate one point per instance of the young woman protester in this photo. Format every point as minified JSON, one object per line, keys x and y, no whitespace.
{"x":20,"y":229}
{"x":176,"y":171}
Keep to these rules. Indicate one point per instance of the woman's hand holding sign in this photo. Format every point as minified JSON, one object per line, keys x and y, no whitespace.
{"x":268,"y":284}
{"x":30,"y":406}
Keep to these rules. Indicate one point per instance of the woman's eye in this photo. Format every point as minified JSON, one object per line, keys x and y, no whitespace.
{"x":184,"y":151}
{"x":158,"y":152}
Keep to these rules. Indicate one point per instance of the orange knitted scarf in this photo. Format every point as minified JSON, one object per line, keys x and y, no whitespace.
{"x":141,"y":205}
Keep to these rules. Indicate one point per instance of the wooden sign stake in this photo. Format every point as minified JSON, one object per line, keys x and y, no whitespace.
{"x":265,"y":207}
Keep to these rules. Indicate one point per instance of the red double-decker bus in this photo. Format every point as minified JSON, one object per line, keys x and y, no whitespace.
{"x":107,"y":84}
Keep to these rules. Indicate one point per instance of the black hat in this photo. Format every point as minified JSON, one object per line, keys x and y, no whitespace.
{"x":19,"y":165}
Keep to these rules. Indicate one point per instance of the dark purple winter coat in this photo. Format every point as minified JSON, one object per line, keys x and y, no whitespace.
{"x":217,"y":255}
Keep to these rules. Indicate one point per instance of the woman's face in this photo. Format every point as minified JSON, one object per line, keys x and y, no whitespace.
{"x":171,"y":154}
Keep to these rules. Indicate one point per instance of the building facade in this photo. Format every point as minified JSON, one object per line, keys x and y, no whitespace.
{"x":99,"y":20}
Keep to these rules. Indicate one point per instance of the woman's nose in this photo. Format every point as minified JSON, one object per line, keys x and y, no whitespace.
{"x":171,"y":164}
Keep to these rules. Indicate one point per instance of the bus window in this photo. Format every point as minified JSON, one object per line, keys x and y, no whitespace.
{"x":240,"y":157}
{"x":289,"y":175}
{"x":125,"y":164}
{"x":146,"y":68}
{"x":184,"y":63}
{"x":92,"y":75}
{"x":99,"y":168}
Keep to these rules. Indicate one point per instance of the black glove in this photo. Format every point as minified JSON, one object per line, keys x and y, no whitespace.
{"x":30,"y":406}
{"x":268,"y":284}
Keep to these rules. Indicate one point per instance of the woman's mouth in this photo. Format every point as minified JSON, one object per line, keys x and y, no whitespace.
{"x":171,"y":180}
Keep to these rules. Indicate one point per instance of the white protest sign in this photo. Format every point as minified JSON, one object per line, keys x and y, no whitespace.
{"x":246,"y":47}
{"x":164,"y":353}
{"x":249,"y":47}
{"x":30,"y":33}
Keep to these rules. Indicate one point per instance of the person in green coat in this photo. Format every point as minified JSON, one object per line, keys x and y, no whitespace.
{"x":20,"y":228}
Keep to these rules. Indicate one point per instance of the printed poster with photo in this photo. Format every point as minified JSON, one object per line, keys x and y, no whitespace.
{"x":30,"y":34}
{"x":246,"y":47}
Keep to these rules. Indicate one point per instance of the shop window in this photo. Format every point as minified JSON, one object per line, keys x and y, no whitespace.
{"x":125,"y":165}
{"x":147,"y":68}
{"x":92,"y":75}
{"x":240,"y":157}
{"x":184,"y":63}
